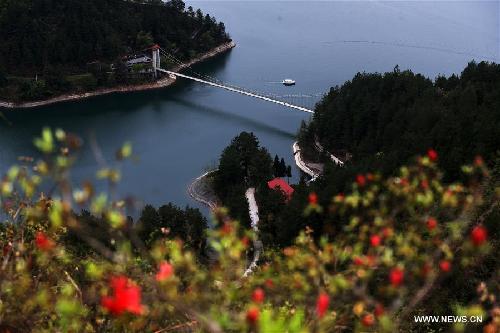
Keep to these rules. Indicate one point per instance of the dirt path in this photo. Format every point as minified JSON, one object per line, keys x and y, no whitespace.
{"x":253,"y":210}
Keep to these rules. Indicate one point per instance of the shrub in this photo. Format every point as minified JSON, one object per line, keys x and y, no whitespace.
{"x":346,"y":282}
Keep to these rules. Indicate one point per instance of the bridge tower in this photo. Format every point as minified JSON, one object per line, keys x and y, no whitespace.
{"x":156,"y":59}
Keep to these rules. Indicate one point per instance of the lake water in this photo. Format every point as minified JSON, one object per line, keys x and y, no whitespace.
{"x":179,"y":132}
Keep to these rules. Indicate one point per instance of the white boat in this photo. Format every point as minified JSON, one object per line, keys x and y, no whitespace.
{"x":288,"y":82}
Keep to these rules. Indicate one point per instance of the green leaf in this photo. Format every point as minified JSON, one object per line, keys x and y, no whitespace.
{"x":46,"y":142}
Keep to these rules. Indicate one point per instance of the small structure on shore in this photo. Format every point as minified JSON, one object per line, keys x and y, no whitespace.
{"x":281,"y":185}
{"x":138,"y":60}
{"x":146,"y":62}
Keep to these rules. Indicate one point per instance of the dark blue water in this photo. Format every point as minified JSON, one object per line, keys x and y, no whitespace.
{"x":179,"y":132}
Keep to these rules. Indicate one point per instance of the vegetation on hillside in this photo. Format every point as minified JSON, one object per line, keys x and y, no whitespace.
{"x":51,"y":47}
{"x":243,"y":164}
{"x":398,"y":247}
{"x":382,"y":120}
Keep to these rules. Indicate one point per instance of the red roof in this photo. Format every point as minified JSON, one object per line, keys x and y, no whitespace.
{"x":280,"y":184}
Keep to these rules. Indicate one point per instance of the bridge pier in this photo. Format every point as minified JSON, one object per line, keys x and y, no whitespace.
{"x":156,"y":59}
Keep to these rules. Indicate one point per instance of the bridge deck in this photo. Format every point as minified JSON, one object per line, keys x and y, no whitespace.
{"x":236,"y":90}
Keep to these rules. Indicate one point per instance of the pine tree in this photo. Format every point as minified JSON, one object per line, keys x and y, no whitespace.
{"x":282,"y":168}
{"x":276,"y":166}
{"x":289,"y":173}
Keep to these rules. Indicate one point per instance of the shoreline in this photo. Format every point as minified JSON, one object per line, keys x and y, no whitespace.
{"x":314,"y":170}
{"x":302,"y":164}
{"x":197,"y":195}
{"x":162,"y":83}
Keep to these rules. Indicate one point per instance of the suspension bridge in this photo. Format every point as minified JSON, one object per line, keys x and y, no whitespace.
{"x":289,"y":101}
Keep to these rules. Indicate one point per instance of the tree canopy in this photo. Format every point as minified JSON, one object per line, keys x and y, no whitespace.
{"x":384,"y":119}
{"x":50,"y":47}
{"x":36,"y":34}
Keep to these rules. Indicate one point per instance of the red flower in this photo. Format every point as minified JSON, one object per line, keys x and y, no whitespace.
{"x":361,"y":180}
{"x":126,"y":297}
{"x":396,"y":276}
{"x":478,"y":235}
{"x":269,"y":283}
{"x":445,"y":265}
{"x":375,"y":240}
{"x":425,"y":184}
{"x":313,"y":198}
{"x":43,"y":242}
{"x":379,"y":310}
{"x":227,"y":228}
{"x":432,"y":154}
{"x":431,"y":223}
{"x":358,"y":261}
{"x":339,"y":197}
{"x":246,"y":241}
{"x":368,"y":320}
{"x":258,"y":295}
{"x":252,"y":315}
{"x":166,"y":271}
{"x":322,"y":304}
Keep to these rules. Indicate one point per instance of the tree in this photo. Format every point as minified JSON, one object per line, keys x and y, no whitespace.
{"x":3,"y":80}
{"x":282,"y":168}
{"x":178,"y":5}
{"x":289,"y":172}
{"x":149,"y":223}
{"x":100,"y":72}
{"x":242,"y":164}
{"x":121,"y":72}
{"x":276,"y":166}
{"x":144,"y":40}
{"x":54,"y":78}
{"x":170,"y":221}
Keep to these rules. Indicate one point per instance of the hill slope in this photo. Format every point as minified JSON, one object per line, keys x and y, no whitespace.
{"x":384,"y":119}
{"x":56,"y":38}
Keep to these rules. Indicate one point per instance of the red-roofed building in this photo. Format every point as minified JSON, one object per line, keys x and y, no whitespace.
{"x":280,"y":184}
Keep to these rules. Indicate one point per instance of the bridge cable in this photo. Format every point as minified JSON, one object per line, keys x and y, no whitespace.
{"x":283,"y":98}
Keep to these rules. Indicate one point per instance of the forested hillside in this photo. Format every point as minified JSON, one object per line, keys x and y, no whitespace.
{"x":384,"y":119}
{"x":56,"y":40}
{"x":40,"y":33}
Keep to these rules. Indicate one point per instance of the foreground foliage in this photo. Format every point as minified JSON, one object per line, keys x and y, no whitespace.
{"x":398,"y":241}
